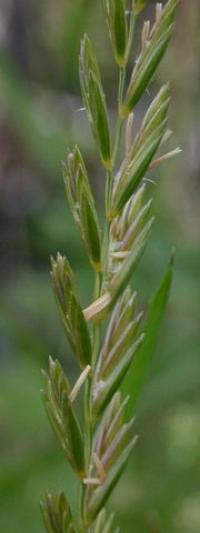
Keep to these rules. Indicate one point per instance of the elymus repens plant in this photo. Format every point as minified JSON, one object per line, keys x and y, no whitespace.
{"x":98,"y":452}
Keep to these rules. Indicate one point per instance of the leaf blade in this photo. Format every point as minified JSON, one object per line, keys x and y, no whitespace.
{"x":137,"y":377}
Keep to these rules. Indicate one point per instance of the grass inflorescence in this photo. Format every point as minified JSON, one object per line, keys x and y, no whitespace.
{"x":98,"y":452}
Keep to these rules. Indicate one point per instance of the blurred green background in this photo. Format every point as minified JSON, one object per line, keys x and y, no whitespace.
{"x":39,"y":118}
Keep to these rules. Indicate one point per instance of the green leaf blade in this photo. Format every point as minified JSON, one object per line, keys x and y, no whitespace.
{"x":137,"y":377}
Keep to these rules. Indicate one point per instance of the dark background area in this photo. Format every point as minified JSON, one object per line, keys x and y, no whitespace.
{"x":39,"y":118}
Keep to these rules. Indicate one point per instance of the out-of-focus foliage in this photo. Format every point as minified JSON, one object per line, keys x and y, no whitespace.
{"x":38,"y":96}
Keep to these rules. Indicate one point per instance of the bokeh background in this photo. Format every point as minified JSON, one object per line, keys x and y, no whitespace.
{"x":39,"y":118}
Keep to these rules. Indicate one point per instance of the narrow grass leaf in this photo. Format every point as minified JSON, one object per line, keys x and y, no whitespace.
{"x":138,"y":375}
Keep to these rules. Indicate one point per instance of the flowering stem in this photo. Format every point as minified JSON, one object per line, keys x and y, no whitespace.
{"x":122,"y":77}
{"x":88,"y":429}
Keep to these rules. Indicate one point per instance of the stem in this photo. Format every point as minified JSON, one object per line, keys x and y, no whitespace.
{"x":96,"y":327}
{"x":88,"y":430}
{"x":119,"y":124}
{"x":108,"y":192}
{"x":122,"y":76}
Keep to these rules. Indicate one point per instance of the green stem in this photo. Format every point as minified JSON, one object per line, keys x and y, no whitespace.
{"x":108,"y":192}
{"x":122,"y":79}
{"x":88,"y":429}
{"x":122,"y":76}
